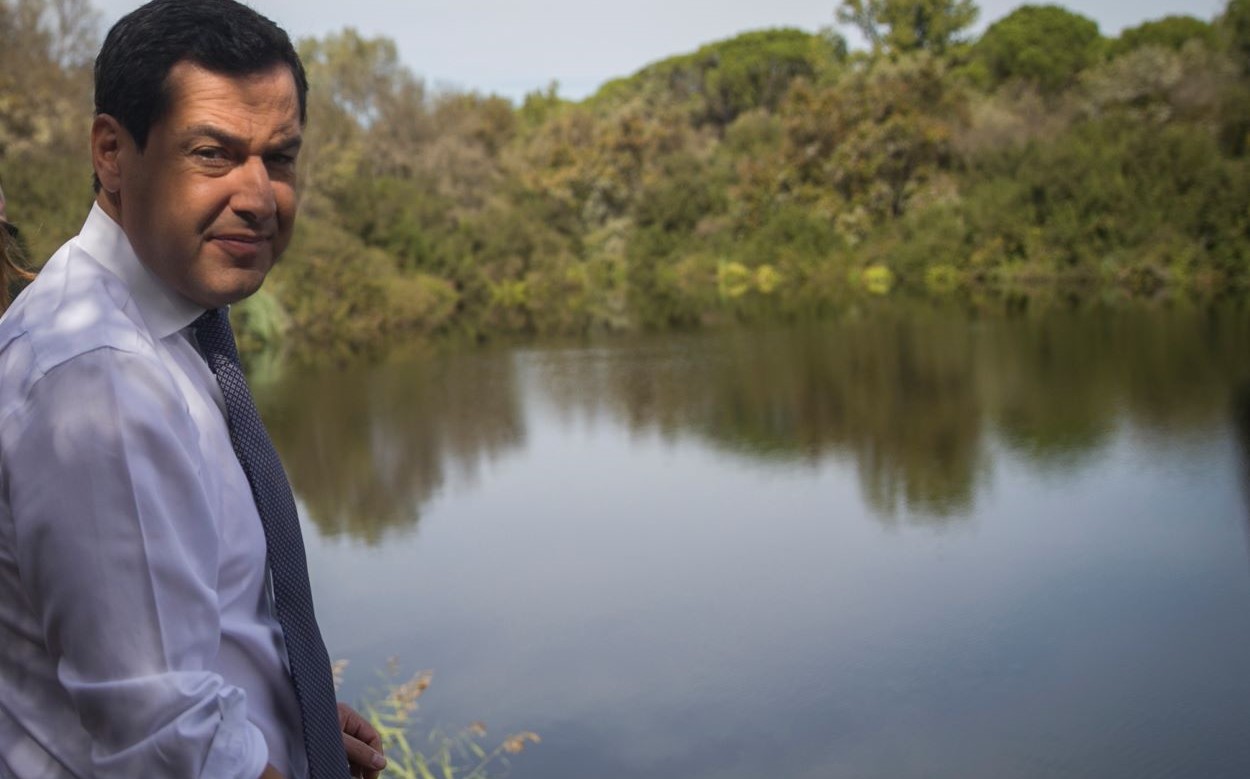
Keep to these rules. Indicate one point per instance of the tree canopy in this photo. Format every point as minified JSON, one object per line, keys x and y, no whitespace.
{"x":769,"y":174}
{"x":901,"y":26}
{"x":1046,"y":45}
{"x":1170,"y":32}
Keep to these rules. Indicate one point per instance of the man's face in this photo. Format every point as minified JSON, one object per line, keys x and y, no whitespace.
{"x":209,"y":204}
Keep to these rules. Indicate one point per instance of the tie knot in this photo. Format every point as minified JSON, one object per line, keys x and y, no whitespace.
{"x":213,"y":334}
{"x":211,"y":320}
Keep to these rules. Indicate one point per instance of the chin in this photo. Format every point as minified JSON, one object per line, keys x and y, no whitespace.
{"x":243,"y":293}
{"x":228,"y":291}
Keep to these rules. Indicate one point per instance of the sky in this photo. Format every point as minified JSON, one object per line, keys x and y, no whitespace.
{"x":511,"y":48}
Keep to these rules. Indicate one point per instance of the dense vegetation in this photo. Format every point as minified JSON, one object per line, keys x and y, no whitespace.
{"x":776,"y":173}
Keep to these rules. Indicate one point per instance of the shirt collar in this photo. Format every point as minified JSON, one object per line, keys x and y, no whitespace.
{"x":164,"y":311}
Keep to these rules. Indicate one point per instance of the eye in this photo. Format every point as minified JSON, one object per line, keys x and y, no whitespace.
{"x":281,"y":159}
{"x":212,"y":154}
{"x":281,"y":166}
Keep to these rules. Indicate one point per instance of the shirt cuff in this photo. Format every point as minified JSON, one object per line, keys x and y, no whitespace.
{"x":238,"y":750}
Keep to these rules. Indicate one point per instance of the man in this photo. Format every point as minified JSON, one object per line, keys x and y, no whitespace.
{"x":154,"y":611}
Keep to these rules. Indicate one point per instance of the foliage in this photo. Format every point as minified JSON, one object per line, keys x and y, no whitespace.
{"x":878,"y":279}
{"x":46,"y":49}
{"x":722,"y":80}
{"x":259,"y":322}
{"x":341,"y":292}
{"x":1045,"y":45}
{"x":876,"y":138}
{"x":1235,"y":25}
{"x":756,"y":176}
{"x":458,"y":755}
{"x":902,"y":26}
{"x":1117,"y":200}
{"x":1170,"y":32}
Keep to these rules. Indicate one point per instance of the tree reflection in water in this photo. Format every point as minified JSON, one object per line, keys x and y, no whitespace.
{"x":1241,"y":423}
{"x":367,"y":446}
{"x":913,"y":392}
{"x":918,"y":396}
{"x":890,"y":390}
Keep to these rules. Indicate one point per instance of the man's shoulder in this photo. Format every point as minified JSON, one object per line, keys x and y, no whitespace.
{"x":73,"y":308}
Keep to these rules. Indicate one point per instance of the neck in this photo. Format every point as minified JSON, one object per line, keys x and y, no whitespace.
{"x":111,"y":204}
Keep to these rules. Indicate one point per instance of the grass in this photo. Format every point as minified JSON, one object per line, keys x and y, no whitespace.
{"x":416,"y":753}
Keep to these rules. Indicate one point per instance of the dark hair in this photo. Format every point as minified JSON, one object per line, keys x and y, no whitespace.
{"x":223,"y":36}
{"x":12,"y":272}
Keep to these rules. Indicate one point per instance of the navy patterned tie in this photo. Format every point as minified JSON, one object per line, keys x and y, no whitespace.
{"x":288,"y":567}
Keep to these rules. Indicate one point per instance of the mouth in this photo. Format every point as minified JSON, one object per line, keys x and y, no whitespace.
{"x":241,"y":246}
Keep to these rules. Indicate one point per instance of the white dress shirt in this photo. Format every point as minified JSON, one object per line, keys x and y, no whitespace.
{"x":137,"y":637}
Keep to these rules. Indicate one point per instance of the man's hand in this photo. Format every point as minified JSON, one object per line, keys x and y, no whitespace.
{"x":362,"y":742}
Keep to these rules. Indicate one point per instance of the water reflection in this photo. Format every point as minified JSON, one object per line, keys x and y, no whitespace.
{"x":367,"y":447}
{"x":910,"y":393}
{"x":677,"y":563}
{"x":1241,"y":424}
{"x":894,"y":389}
{"x":1057,"y":385}
{"x":918,"y":397}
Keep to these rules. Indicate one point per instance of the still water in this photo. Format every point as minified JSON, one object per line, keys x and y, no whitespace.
{"x":911,"y":542}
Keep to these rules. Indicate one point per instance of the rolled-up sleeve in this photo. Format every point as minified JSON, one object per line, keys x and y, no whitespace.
{"x":117,"y":550}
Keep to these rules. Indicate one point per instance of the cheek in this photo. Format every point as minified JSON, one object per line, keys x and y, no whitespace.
{"x":287,"y":206}
{"x":286,"y":201}
{"x":168,"y":209}
{"x":200,"y":205}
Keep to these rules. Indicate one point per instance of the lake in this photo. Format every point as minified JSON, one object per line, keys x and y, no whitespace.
{"x":916,"y":540}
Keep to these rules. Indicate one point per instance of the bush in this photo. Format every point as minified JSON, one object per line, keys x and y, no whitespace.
{"x":877,"y":279}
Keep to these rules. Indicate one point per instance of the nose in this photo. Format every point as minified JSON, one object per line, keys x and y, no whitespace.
{"x":253,"y":197}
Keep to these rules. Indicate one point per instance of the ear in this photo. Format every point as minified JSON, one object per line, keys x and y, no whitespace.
{"x":108,"y":140}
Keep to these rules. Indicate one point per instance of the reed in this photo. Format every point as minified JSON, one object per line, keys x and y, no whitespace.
{"x":415,"y":752}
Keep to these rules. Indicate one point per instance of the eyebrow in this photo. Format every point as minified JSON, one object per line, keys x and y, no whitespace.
{"x":225,"y":138}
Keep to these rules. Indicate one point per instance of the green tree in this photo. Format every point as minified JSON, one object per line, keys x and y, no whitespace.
{"x":1045,"y":45}
{"x":1235,"y":23}
{"x":900,"y":26}
{"x":46,"y":48}
{"x":357,"y":73}
{"x":873,"y":139}
{"x":1170,"y":32}
{"x":724,"y":79}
